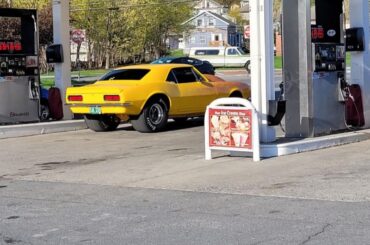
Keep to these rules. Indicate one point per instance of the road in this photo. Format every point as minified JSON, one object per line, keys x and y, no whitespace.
{"x":124,"y":187}
{"x":243,"y":76}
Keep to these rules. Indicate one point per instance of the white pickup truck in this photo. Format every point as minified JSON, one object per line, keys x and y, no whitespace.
{"x":222,"y":56}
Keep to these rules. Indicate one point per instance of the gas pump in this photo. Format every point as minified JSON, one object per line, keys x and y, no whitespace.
{"x":314,"y":67}
{"x":19,"y":68}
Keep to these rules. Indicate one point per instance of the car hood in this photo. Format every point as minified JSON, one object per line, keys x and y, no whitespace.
{"x":217,"y":80}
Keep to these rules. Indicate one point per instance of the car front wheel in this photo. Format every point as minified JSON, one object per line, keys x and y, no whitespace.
{"x":153,"y":118}
{"x":102,"y":123}
{"x":248,"y":66}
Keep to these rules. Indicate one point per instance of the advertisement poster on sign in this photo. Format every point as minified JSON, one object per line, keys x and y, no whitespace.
{"x":230,"y":128}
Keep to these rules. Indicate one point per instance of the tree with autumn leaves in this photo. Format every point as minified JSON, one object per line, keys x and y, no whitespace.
{"x":118,"y":31}
{"x":121,"y":31}
{"x":133,"y":32}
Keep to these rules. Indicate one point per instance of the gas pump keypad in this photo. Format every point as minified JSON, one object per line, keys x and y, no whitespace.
{"x":328,"y":57}
{"x":15,"y":66}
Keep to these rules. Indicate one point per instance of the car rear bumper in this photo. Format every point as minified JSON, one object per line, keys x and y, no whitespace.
{"x":104,"y":109}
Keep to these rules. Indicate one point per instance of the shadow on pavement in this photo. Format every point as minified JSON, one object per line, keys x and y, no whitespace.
{"x":171,"y":125}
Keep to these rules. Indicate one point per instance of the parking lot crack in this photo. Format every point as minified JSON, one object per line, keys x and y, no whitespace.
{"x":9,"y":240}
{"x":310,"y":237}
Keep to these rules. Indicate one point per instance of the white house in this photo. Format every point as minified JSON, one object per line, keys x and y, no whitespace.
{"x":211,"y":29}
{"x":211,"y":6}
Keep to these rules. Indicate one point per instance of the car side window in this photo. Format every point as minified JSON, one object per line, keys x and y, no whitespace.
{"x":232,"y":51}
{"x":200,"y":52}
{"x":184,"y":75}
{"x":207,"y":52}
{"x":171,"y":77}
{"x":213,"y":52}
{"x":198,"y":77}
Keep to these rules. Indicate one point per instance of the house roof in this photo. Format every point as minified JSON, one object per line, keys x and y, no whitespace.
{"x":217,"y":16}
{"x":212,"y":1}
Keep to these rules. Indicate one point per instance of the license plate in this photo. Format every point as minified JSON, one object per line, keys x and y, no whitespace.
{"x":95,"y":110}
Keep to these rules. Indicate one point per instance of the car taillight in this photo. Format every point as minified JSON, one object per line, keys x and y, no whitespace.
{"x":112,"y":98}
{"x":75,"y":98}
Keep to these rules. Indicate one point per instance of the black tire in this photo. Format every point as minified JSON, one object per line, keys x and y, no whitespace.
{"x":236,"y":95}
{"x":248,"y":66}
{"x":44,"y":112}
{"x":153,"y":118}
{"x":102,"y":123}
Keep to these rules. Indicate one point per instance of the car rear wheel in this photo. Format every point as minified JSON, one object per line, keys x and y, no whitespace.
{"x":102,"y":123}
{"x":153,"y":118}
{"x":248,"y":66}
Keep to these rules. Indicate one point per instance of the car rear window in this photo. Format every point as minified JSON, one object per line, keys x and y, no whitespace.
{"x":125,"y":74}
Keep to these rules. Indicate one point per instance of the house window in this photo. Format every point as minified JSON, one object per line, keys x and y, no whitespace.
{"x":211,"y":22}
{"x":202,"y":40}
{"x":199,"y":22}
{"x":217,"y":37}
{"x":192,"y":40}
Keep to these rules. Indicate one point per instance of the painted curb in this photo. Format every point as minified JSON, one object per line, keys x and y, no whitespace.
{"x":312,"y":144}
{"x":22,"y":130}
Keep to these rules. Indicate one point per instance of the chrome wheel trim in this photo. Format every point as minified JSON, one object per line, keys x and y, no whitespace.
{"x":156,"y":114}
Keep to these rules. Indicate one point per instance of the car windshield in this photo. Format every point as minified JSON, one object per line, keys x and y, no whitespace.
{"x":164,"y":60}
{"x":125,"y":74}
{"x":241,"y":51}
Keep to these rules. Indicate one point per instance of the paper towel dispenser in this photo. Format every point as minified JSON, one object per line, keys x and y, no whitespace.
{"x":355,"y":39}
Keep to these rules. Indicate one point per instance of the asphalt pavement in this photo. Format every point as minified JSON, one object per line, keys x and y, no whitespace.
{"x":125,"y":187}
{"x":57,"y":213}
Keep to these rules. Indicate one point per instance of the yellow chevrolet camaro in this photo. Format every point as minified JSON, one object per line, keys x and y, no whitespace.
{"x":148,"y":95}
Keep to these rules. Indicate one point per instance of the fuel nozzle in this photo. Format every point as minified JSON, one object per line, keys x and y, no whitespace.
{"x":34,"y":89}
